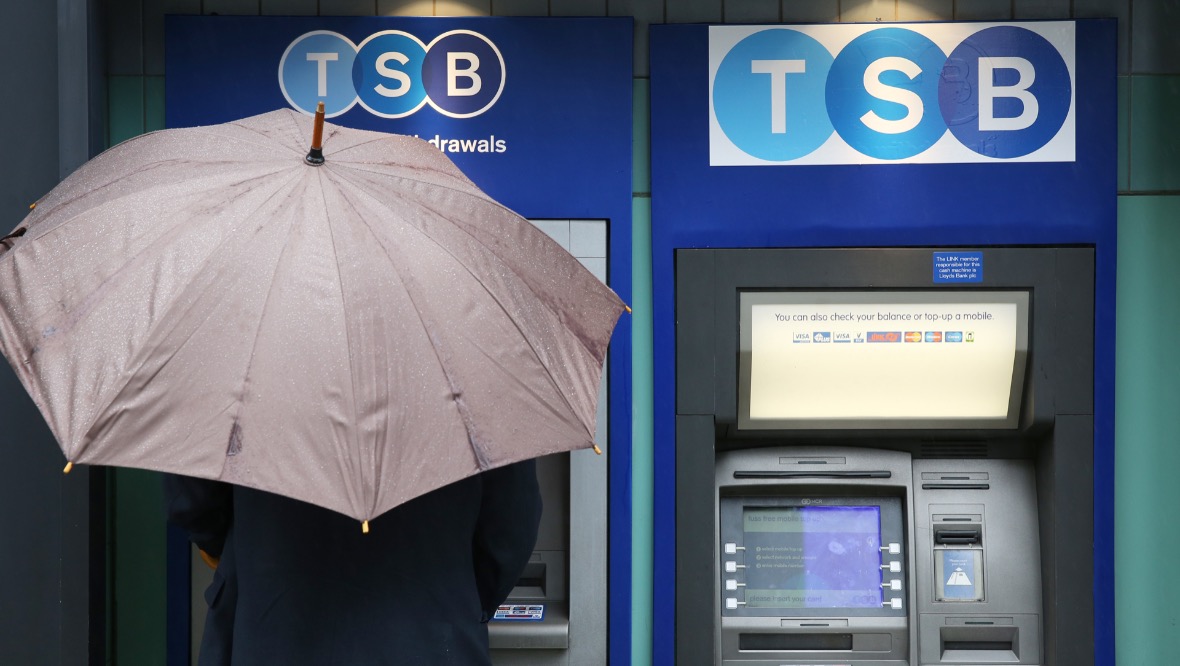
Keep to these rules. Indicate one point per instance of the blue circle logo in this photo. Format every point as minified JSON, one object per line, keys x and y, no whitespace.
{"x":1005,"y":92}
{"x":393,"y":74}
{"x":768,"y":94}
{"x":317,"y":67}
{"x":387,"y":75}
{"x":882,"y":93}
{"x":463,"y":73}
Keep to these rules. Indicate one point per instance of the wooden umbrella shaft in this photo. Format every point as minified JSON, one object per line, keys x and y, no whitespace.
{"x":315,"y":156}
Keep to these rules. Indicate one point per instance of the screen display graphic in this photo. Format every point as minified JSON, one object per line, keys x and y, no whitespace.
{"x":813,"y":557}
{"x":882,"y":359}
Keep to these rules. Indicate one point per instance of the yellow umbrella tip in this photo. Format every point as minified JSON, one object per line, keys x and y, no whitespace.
{"x":365,"y":527}
{"x":69,"y":466}
{"x":627,"y":308}
{"x":597,"y":450}
{"x":32,"y":205}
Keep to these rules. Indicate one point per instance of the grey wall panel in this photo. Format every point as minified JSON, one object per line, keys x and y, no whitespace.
{"x":695,"y":11}
{"x":867,"y":11}
{"x":405,"y":7}
{"x":983,"y":10}
{"x":811,"y":11}
{"x":520,"y":7}
{"x":1075,"y":339}
{"x":125,"y":54}
{"x":695,"y":314}
{"x":925,"y":10}
{"x":292,"y":7}
{"x":695,"y":518}
{"x":577,"y":8}
{"x":1041,"y":9}
{"x":1155,"y":49}
{"x":462,"y":7}
{"x":345,"y":7}
{"x":752,"y":11}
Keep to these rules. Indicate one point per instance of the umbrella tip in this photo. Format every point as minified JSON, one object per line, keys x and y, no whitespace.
{"x":597,"y":450}
{"x":32,"y":205}
{"x":69,"y":466}
{"x":365,"y":527}
{"x":315,"y":156}
{"x":627,"y":308}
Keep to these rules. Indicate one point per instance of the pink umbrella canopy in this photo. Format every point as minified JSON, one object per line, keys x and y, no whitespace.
{"x":203,"y":301}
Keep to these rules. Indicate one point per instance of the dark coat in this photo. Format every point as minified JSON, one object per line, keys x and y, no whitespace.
{"x":303,"y":586}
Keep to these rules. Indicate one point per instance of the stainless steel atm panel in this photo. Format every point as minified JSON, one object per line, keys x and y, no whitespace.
{"x":814,"y":557}
{"x":978,"y":555}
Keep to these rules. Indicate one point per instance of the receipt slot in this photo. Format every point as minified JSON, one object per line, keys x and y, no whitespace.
{"x":874,"y":469}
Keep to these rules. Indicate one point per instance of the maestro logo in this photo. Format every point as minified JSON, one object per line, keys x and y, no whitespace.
{"x":930,"y":93}
{"x":392,"y":74}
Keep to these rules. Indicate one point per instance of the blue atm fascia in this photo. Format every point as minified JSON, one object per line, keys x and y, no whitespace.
{"x":968,"y":207}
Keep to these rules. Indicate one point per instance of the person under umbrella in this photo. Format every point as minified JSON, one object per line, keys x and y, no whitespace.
{"x":296,"y":584}
{"x":368,"y":338}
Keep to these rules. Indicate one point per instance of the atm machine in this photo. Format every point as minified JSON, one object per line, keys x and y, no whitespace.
{"x":874,"y":468}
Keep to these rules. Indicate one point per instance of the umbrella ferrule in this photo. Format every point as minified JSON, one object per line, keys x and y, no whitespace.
{"x":315,"y":157}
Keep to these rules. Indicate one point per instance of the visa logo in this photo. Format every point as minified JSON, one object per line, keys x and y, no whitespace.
{"x":860,"y":337}
{"x":954,"y":336}
{"x":884,"y":336}
{"x":933,"y":336}
{"x":913,"y":336}
{"x":845,"y":337}
{"x":821,"y":336}
{"x":801,"y":337}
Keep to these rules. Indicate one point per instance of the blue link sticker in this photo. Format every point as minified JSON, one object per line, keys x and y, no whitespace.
{"x":958,"y":267}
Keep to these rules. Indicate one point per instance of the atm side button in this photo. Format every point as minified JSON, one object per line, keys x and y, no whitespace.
{"x":893,"y":567}
{"x":731,"y":584}
{"x":892,"y":549}
{"x":732,"y":603}
{"x":733,"y":548}
{"x":894,"y":585}
{"x":894,"y":604}
{"x":732,"y":567}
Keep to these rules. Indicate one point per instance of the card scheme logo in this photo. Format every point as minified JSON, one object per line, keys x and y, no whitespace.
{"x":393,"y":74}
{"x":918,"y":93}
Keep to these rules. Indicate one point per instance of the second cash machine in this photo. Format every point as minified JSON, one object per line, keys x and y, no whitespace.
{"x":878,"y":468}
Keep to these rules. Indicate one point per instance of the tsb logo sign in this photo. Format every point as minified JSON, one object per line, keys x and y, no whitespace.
{"x":921,"y":93}
{"x":392,"y":73}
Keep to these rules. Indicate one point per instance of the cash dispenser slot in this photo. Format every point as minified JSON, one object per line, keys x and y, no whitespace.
{"x":783,"y":642}
{"x":979,"y":644}
{"x":958,"y":535}
{"x":811,"y":474}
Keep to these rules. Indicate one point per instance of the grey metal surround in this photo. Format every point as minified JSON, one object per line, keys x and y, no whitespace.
{"x":1024,"y":494}
{"x":54,"y":557}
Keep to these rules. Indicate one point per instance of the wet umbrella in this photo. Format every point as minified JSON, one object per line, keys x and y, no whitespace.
{"x":352,"y":333}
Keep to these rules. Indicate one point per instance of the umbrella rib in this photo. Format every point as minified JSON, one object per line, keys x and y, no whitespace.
{"x":473,"y":437}
{"x":348,"y":345}
{"x":166,"y":317}
{"x":505,"y":310}
{"x":484,"y":199}
{"x":468,"y":423}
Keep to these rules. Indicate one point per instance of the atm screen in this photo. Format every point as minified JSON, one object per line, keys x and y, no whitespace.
{"x":882,"y":359}
{"x":812,"y":556}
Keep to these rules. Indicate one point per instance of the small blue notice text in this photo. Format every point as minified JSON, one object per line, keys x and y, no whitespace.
{"x":958,"y":267}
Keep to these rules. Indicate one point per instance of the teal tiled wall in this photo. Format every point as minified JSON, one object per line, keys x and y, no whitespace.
{"x":1147,"y":430}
